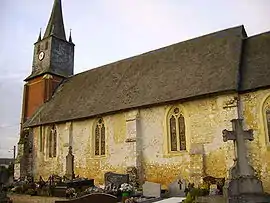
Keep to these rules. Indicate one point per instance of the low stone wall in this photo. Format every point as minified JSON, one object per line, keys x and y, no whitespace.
{"x":211,"y":199}
{"x":33,"y":199}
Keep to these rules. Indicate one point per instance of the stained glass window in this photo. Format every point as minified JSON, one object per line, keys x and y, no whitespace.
{"x":182,"y":136}
{"x":52,"y":142}
{"x":177,"y":133}
{"x":40,"y":139}
{"x":97,"y":136}
{"x":173,"y":134}
{"x":100,"y":138}
{"x":268,"y":122}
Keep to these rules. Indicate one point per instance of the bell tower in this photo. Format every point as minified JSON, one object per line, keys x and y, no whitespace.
{"x":53,"y":62}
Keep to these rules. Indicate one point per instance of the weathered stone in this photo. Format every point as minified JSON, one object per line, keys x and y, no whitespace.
{"x":177,"y":188}
{"x":70,"y":164}
{"x":151,"y":189}
{"x":243,"y":187}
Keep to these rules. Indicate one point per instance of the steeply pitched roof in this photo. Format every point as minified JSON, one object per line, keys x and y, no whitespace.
{"x":204,"y":65}
{"x":55,"y":25}
{"x":255,"y":69}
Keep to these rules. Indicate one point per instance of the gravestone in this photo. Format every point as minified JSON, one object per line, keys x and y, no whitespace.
{"x":213,"y":190}
{"x":115,"y":179}
{"x":177,"y":188}
{"x":70,"y":164}
{"x":133,"y":176}
{"x":92,"y":198}
{"x":151,"y":189}
{"x":243,"y":186}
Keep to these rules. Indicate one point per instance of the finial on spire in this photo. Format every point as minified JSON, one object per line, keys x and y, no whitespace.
{"x":55,"y":25}
{"x":39,"y":37}
{"x":70,"y":38}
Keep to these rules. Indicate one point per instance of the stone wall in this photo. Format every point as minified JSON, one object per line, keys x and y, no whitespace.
{"x":206,"y":153}
{"x":139,"y":138}
{"x":254,"y":104}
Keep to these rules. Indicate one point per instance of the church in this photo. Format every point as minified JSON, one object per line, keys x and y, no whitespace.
{"x":160,"y":113}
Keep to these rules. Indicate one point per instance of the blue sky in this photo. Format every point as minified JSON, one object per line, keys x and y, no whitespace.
{"x":105,"y":31}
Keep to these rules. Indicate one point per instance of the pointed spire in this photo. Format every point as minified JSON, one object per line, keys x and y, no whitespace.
{"x":55,"y":25}
{"x":39,"y":37}
{"x":70,"y":38}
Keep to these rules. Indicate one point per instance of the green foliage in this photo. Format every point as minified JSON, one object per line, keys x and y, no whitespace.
{"x":189,"y":198}
{"x":196,"y":192}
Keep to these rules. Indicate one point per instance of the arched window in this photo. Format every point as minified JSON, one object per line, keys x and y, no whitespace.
{"x":40,"y":139}
{"x":267,"y":112}
{"x":176,"y":130}
{"x":52,"y":141}
{"x":100,"y":138}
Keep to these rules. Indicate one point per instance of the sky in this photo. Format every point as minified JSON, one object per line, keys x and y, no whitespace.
{"x":105,"y":31}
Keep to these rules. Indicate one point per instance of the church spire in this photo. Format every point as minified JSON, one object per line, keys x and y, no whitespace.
{"x":39,"y":37}
{"x":70,"y":38}
{"x":55,"y":25}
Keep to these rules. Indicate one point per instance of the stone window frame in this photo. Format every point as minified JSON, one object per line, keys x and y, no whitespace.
{"x":41,"y":139}
{"x":171,"y":112}
{"x":99,"y":129}
{"x":52,"y":141}
{"x":265,"y":110}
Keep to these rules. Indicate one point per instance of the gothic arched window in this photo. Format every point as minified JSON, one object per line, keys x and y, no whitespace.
{"x":52,"y":142}
{"x":100,"y":138}
{"x":268,"y":123}
{"x":176,"y":130}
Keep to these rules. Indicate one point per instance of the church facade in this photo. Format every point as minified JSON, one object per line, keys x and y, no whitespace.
{"x":161,"y":113}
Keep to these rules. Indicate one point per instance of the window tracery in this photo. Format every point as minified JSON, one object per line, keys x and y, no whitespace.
{"x":100,"y":138}
{"x":177,"y":131}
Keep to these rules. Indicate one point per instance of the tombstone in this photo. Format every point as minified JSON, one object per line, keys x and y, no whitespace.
{"x":177,"y":188}
{"x":151,"y":189}
{"x":70,"y":164}
{"x":243,"y":185}
{"x":115,"y":179}
{"x":133,"y":176}
{"x":219,"y":182}
{"x":213,"y":190}
{"x":93,"y":198}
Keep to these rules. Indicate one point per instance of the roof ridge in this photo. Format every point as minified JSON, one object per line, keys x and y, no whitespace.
{"x":158,"y":49}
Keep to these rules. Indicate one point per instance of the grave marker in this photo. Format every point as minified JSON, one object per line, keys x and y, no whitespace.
{"x":151,"y":189}
{"x":243,"y":186}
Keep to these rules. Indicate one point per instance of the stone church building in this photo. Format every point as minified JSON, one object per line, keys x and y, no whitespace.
{"x":161,"y":113}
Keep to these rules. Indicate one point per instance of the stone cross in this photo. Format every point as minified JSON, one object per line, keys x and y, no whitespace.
{"x":238,"y":135}
{"x":70,"y":164}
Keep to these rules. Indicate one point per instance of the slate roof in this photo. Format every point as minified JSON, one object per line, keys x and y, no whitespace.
{"x":201,"y":66}
{"x":255,"y":68}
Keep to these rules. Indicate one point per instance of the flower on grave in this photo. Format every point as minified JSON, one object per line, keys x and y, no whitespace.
{"x":125,"y":187}
{"x":93,"y":189}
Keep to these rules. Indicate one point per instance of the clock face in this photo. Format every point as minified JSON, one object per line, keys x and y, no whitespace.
{"x":41,"y":55}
